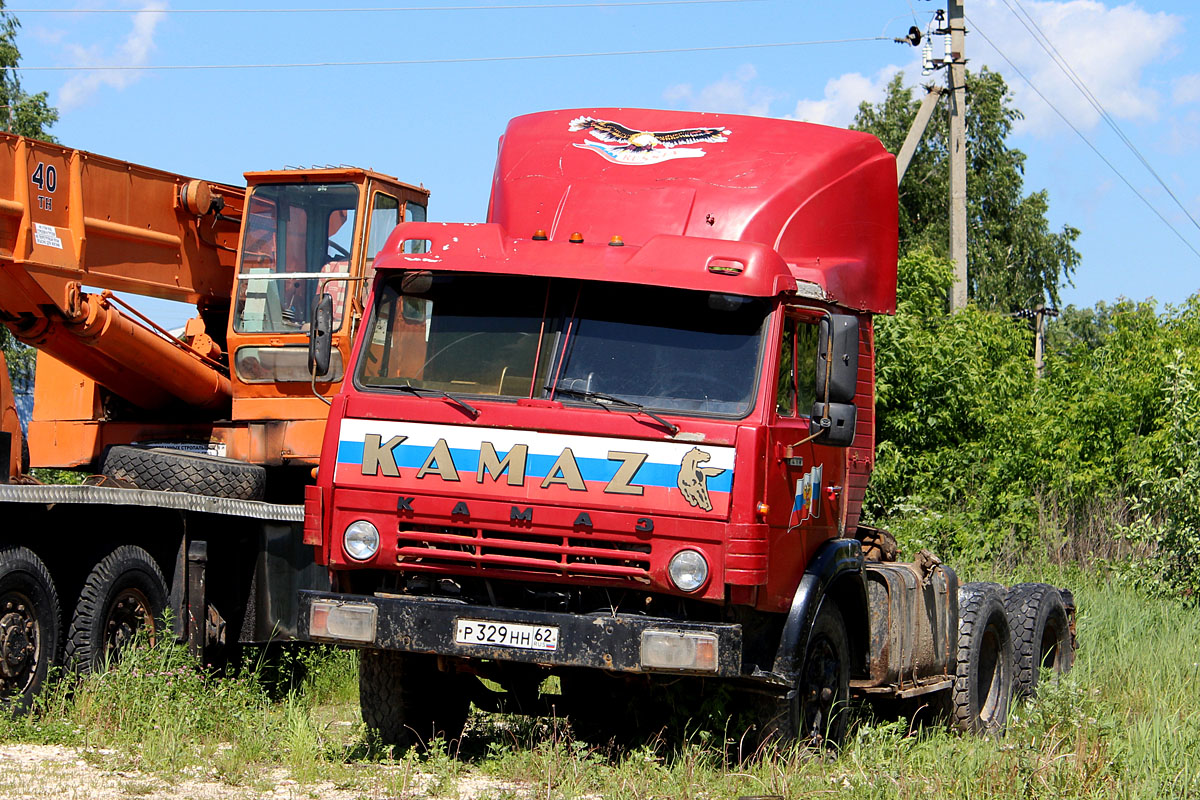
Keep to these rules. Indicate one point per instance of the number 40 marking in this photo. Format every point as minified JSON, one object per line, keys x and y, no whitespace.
{"x":45,"y":177}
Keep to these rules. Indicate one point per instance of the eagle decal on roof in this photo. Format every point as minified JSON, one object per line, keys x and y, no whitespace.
{"x":622,"y":145}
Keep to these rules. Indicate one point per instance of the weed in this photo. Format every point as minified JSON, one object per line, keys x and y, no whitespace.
{"x":1124,"y":723}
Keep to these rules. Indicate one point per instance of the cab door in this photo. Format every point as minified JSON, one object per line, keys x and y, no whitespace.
{"x":799,"y":472}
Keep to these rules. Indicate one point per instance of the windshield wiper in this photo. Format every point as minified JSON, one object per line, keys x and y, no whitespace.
{"x":601,"y":399}
{"x":420,"y":390}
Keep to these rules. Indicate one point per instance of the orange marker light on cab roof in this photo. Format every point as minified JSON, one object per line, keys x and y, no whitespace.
{"x":616,"y":241}
{"x":540,"y":235}
{"x":576,"y":238}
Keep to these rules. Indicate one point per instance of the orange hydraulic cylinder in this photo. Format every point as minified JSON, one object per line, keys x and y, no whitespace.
{"x":128,"y":359}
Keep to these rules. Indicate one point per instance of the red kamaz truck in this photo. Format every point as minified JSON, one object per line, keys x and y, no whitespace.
{"x":621,"y":433}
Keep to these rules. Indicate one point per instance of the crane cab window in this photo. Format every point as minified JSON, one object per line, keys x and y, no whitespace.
{"x":414,"y":213}
{"x":297,"y":237}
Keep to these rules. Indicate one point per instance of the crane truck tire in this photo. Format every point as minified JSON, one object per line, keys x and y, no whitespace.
{"x":124,"y":594}
{"x":30,"y":626}
{"x":1041,"y":634}
{"x":407,"y":701}
{"x":178,"y":471}
{"x":983,"y":681}
{"x":818,"y":711}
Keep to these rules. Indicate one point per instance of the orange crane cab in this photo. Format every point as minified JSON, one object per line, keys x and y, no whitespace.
{"x":169,"y":523}
{"x":236,"y":383}
{"x":304,"y":233}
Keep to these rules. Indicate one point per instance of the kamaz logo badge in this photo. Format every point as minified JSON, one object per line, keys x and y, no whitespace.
{"x":481,"y":461}
{"x":379,"y":456}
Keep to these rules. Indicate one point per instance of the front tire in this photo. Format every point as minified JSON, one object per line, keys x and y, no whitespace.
{"x":30,"y":626}
{"x":817,"y":712}
{"x":124,"y":594}
{"x":983,"y":679}
{"x":407,"y":701}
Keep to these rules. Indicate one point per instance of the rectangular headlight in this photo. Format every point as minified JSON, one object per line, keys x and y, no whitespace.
{"x":695,"y":652}
{"x":351,"y":622}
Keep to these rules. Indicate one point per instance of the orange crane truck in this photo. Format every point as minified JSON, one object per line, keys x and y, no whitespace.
{"x":201,"y":441}
{"x":620,"y":435}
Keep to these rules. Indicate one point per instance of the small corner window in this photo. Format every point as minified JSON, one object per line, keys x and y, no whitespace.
{"x":796,"y":390}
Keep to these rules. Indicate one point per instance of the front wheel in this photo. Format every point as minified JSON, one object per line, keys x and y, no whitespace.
{"x":30,"y":626}
{"x":407,"y":701}
{"x":124,"y":594}
{"x":817,"y":712}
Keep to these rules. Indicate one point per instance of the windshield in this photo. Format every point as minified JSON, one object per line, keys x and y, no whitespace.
{"x":514,"y":336}
{"x":298,"y":241}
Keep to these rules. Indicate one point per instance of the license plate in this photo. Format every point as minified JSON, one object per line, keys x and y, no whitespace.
{"x":505,"y":634}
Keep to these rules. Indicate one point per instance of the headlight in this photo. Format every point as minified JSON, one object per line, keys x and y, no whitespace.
{"x":688,"y":570}
{"x":361,"y":540}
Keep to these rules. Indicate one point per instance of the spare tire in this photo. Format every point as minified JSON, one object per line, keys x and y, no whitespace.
{"x":170,"y":470}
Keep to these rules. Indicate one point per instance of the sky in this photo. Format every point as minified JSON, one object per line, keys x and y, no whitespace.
{"x":437,"y":124}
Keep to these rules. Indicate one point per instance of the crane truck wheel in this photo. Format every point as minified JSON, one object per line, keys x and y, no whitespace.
{"x":1041,"y":634}
{"x":124,"y":594}
{"x":178,"y":471}
{"x":407,"y":701}
{"x":818,"y":712}
{"x":30,"y":626}
{"x":983,"y":681}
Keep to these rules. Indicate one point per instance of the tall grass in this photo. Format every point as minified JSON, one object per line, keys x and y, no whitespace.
{"x":1125,"y":723}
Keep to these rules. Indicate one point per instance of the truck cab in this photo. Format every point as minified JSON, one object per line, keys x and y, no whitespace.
{"x":621,"y":432}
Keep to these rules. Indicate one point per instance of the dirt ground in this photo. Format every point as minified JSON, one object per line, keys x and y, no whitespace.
{"x":45,"y":772}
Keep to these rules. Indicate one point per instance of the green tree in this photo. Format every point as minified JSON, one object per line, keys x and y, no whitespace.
{"x":1014,"y":259}
{"x":22,"y":113}
{"x":28,"y":115}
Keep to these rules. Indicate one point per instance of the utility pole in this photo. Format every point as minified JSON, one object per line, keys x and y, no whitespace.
{"x":958,"y":153}
{"x":1039,"y":340}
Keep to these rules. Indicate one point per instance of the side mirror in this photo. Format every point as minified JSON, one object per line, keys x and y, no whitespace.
{"x":837,"y":358}
{"x":836,"y":430}
{"x":320,"y":336}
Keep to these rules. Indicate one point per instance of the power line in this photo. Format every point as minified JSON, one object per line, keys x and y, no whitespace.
{"x":1042,"y":39}
{"x":474,"y":60}
{"x":1086,"y":141}
{"x":496,"y":7}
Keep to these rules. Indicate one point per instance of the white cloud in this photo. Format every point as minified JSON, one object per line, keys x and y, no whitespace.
{"x":134,"y":50}
{"x":1183,"y":133}
{"x":1108,"y":48}
{"x":1186,"y":89}
{"x":732,"y":94}
{"x":843,"y":95}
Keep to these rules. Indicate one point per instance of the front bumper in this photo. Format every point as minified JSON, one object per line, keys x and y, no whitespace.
{"x":611,"y":642}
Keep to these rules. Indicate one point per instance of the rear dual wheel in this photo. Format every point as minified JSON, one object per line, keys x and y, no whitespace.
{"x":1041,"y":634}
{"x":123,"y":595}
{"x":30,"y":626}
{"x":983,"y":680}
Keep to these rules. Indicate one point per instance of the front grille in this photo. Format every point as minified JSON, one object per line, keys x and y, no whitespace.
{"x":568,"y":555}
